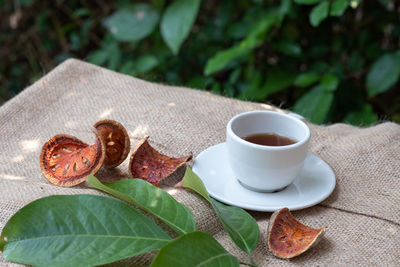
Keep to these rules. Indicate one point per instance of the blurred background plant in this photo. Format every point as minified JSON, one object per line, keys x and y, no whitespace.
{"x":329,"y":60}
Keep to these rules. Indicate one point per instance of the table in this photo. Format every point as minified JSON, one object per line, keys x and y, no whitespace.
{"x":362,"y":214}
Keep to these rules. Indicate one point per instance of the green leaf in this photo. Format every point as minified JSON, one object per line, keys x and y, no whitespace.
{"x":223,"y":58}
{"x":254,"y":38}
{"x":338,"y":7}
{"x":2,"y":244}
{"x":151,"y":199}
{"x":128,"y":68}
{"x":145,"y":63}
{"x":284,"y":8}
{"x":82,"y":12}
{"x":158,"y":4}
{"x":26,"y":2}
{"x":228,"y":90}
{"x":193,"y":182}
{"x":319,"y":13}
{"x":365,"y":116}
{"x":133,"y":24}
{"x":85,"y":31}
{"x":248,"y":92}
{"x":307,"y":2}
{"x":78,"y":230}
{"x":241,"y":227}
{"x":356,"y":62}
{"x":258,"y":30}
{"x":288,"y":48}
{"x":114,"y":55}
{"x":237,"y":30}
{"x":315,"y":104}
{"x":234,"y":76}
{"x":75,"y":42}
{"x":384,"y":74}
{"x":98,"y":57}
{"x":177,"y":21}
{"x":194,"y":249}
{"x":329,"y":82}
{"x":384,"y":2}
{"x":277,"y":80}
{"x":199,"y":82}
{"x":306,"y":79}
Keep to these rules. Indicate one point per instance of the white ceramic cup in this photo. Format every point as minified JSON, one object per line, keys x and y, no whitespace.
{"x":266,"y":168}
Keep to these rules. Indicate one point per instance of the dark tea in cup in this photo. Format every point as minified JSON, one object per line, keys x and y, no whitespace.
{"x":269,"y":139}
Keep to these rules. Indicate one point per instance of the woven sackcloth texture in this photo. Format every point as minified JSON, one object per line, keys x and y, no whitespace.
{"x":362,"y":214}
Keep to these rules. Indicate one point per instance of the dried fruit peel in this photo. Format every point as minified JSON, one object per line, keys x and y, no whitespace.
{"x":67,"y":161}
{"x":148,"y":164}
{"x":287,"y":237}
{"x":116,"y":140}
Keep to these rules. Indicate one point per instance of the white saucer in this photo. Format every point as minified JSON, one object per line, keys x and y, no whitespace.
{"x":315,"y":183}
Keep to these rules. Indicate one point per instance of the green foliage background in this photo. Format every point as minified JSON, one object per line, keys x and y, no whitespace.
{"x":329,"y":60}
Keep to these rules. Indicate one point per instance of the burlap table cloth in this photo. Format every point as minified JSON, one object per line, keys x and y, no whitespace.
{"x":362,"y":214}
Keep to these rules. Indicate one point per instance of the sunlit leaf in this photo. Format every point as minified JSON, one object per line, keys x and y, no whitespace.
{"x":150,"y":198}
{"x":132,"y":24}
{"x":383,"y":74}
{"x":193,"y":182}
{"x":194,"y":249}
{"x":78,"y":230}
{"x":319,"y":13}
{"x":177,"y":22}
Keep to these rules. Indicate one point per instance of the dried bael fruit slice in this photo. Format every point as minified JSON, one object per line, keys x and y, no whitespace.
{"x":148,"y":164}
{"x":67,"y":161}
{"x":287,"y":237}
{"x":117,"y":142}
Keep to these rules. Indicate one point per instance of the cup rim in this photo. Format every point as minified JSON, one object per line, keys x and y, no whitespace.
{"x":264,"y":147}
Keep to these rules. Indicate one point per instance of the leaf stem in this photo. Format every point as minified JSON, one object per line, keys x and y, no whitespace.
{"x":251,"y":258}
{"x":2,"y":244}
